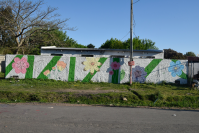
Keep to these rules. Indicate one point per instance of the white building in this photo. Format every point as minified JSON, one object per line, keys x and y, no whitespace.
{"x":94,"y":52}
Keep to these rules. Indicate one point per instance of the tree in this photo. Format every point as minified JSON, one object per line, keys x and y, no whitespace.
{"x":113,"y":44}
{"x":171,"y":54}
{"x":138,"y":44}
{"x":190,"y":54}
{"x":90,"y":46}
{"x":62,"y":40}
{"x":28,"y":19}
{"x":5,"y":39}
{"x":154,"y":47}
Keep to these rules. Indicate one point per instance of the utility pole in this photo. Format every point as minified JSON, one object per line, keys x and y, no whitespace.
{"x":131,"y":62}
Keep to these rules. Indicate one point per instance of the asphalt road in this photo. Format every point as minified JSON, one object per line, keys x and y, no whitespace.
{"x":51,"y":118}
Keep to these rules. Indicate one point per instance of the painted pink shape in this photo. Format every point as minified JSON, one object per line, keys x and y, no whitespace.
{"x":20,"y":65}
{"x":111,"y":72}
{"x":115,"y":65}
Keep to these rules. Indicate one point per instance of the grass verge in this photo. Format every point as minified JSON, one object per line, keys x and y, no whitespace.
{"x":52,"y":91}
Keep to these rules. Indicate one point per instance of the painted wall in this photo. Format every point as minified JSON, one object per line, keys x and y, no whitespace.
{"x":97,"y":69}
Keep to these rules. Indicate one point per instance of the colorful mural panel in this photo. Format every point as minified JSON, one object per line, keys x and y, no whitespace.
{"x":86,"y":69}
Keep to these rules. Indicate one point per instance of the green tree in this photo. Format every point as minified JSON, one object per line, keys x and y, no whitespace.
{"x":138,"y":44}
{"x":113,"y":44}
{"x":172,"y":54}
{"x":90,"y":46}
{"x":28,"y":19}
{"x":190,"y":54}
{"x":5,"y":39}
{"x":60,"y":40}
{"x":154,"y":47}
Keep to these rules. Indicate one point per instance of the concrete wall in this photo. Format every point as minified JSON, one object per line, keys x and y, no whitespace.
{"x":112,"y":70}
{"x":2,"y":63}
{"x":107,"y":53}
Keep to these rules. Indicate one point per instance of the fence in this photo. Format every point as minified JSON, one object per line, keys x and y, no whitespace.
{"x":193,"y":69}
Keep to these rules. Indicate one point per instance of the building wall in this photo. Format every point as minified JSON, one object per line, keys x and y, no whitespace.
{"x":76,"y":53}
{"x":112,"y":70}
{"x":2,"y":63}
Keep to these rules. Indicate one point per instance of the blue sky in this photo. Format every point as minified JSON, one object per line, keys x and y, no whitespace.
{"x":169,"y":23}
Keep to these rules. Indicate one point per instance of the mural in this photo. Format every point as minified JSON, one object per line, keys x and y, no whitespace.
{"x":175,"y":68}
{"x":20,"y":65}
{"x":95,"y":69}
{"x":138,"y":74}
{"x":91,"y":64}
{"x":115,"y":66}
{"x":122,"y":74}
{"x":60,"y":67}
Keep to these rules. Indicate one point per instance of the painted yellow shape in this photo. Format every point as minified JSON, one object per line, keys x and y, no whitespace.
{"x":92,"y":64}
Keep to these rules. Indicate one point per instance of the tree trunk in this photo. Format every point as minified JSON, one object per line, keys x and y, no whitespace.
{"x":17,"y":50}
{"x":23,"y":50}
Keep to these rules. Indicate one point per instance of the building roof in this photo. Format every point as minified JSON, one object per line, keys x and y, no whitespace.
{"x":193,"y":59}
{"x":96,"y":49}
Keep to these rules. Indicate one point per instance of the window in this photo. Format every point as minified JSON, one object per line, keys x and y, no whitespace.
{"x":144,"y":57}
{"x":87,"y":55}
{"x":150,"y":56}
{"x":117,"y":56}
{"x":56,"y":54}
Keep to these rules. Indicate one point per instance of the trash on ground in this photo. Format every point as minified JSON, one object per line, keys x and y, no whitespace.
{"x":124,"y":99}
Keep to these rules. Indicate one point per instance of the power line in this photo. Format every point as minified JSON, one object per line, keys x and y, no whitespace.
{"x":134,"y":24}
{"x":136,"y":2}
{"x":125,"y":35}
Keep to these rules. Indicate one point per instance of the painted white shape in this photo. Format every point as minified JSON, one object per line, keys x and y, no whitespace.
{"x":63,"y":75}
{"x":9,"y":58}
{"x":142,"y":63}
{"x":161,"y":73}
{"x":80,"y":74}
{"x":103,"y":74}
{"x":124,"y":66}
{"x":13,"y":73}
{"x":40,"y":63}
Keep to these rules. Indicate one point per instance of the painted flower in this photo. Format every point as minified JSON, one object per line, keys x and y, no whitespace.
{"x":20,"y":65}
{"x":111,"y":72}
{"x":91,"y":64}
{"x":115,"y":65}
{"x":175,"y":68}
{"x":53,"y":68}
{"x":61,"y":65}
{"x":138,"y":74}
{"x":47,"y":73}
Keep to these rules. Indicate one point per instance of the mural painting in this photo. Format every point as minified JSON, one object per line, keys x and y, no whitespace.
{"x":54,"y":67}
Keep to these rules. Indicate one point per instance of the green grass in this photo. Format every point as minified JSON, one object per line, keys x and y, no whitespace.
{"x":147,"y":94}
{"x":2,"y":75}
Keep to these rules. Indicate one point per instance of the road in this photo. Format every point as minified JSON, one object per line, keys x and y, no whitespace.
{"x":62,"y":118}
